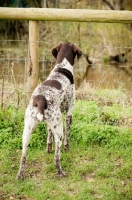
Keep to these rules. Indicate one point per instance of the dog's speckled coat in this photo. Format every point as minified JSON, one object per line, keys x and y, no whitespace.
{"x":49,"y":100}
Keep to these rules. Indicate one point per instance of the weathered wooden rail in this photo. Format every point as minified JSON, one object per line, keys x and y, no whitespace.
{"x":50,"y":14}
{"x":80,"y":15}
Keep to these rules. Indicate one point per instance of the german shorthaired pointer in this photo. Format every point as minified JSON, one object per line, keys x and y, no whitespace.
{"x":49,"y":100}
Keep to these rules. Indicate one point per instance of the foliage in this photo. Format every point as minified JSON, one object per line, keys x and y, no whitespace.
{"x":84,"y":34}
{"x":92,"y":124}
{"x":11,"y":123}
{"x":95,"y":124}
{"x":11,"y":128}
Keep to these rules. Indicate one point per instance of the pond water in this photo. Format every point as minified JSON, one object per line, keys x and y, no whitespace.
{"x":103,"y":75}
{"x":107,"y":76}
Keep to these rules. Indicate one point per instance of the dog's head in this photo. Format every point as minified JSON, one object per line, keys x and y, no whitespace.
{"x":66,"y":50}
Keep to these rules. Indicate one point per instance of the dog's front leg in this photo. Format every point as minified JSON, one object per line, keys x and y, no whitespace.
{"x":68,"y":119}
{"x":49,"y":141}
{"x":67,"y":132}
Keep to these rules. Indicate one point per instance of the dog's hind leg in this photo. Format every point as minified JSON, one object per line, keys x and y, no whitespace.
{"x":49,"y":141}
{"x":30,"y":124}
{"x":58,"y":135}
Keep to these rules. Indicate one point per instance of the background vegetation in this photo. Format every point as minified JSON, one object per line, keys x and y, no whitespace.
{"x":99,"y":164}
{"x":98,"y":41}
{"x":87,"y":33}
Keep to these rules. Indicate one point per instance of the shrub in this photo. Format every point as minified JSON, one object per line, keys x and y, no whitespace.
{"x":92,"y":125}
{"x":99,"y":125}
{"x":11,"y":128}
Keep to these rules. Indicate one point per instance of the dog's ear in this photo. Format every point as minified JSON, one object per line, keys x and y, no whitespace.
{"x":56,"y":50}
{"x":77,"y":51}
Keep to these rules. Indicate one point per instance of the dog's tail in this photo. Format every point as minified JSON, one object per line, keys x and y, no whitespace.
{"x":40,"y":102}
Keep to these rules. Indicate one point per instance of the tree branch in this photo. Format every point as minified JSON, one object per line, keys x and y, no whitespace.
{"x":109,"y":4}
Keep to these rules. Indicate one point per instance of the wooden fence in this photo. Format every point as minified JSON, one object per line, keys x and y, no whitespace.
{"x":47,"y":14}
{"x":80,"y":15}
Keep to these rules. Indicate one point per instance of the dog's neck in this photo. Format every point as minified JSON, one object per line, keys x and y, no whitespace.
{"x":65,"y":64}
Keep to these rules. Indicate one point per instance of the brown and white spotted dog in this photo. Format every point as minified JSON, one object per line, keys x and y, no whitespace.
{"x":49,"y":100}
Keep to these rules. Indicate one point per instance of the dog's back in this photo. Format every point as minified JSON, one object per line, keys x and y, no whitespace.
{"x":57,"y":90}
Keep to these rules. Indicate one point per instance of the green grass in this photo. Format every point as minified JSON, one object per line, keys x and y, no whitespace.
{"x":92,"y":173}
{"x":98,"y":165}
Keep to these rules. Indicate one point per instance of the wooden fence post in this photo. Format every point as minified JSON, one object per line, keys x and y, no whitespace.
{"x":33,"y":57}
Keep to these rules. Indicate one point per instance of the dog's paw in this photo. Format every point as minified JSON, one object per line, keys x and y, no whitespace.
{"x":61,"y":173}
{"x":20,"y":176}
{"x":66,"y":147}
